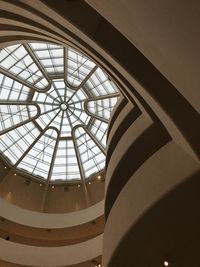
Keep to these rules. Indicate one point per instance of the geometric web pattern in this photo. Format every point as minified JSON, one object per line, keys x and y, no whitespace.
{"x":55,"y":105}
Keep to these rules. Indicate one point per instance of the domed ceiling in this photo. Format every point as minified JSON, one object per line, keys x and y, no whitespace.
{"x":55,"y":104}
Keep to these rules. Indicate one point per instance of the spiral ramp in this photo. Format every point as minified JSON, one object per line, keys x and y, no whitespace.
{"x":152,"y":166}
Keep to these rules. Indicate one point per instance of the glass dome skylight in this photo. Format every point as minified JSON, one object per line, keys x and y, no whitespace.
{"x":55,"y":104}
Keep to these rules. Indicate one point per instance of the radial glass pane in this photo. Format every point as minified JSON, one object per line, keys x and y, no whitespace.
{"x":78,"y":67}
{"x":50,"y":57}
{"x":66,"y":165}
{"x":102,"y":108}
{"x":100,"y":85}
{"x":92,"y":158}
{"x":12,"y":115}
{"x":99,"y":131}
{"x":15,"y":143}
{"x":38,"y":159}
{"x":16,"y":60}
{"x":11,"y":90}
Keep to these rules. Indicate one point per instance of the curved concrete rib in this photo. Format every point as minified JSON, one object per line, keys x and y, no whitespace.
{"x":51,"y":256}
{"x":52,"y":221}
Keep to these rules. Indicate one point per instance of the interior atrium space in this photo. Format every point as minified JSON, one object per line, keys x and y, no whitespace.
{"x":99,"y":133}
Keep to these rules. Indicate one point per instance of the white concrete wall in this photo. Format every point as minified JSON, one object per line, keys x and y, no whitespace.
{"x":51,"y":256}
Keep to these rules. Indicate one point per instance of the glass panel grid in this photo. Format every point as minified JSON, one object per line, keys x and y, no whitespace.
{"x":11,"y":115}
{"x":78,"y":67}
{"x":38,"y":160}
{"x":15,"y":143}
{"x":99,"y":130}
{"x":50,"y":57}
{"x":102,"y":107}
{"x":92,"y":159}
{"x":16,"y":60}
{"x":99,"y":84}
{"x":11,"y":90}
{"x":66,"y":165}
